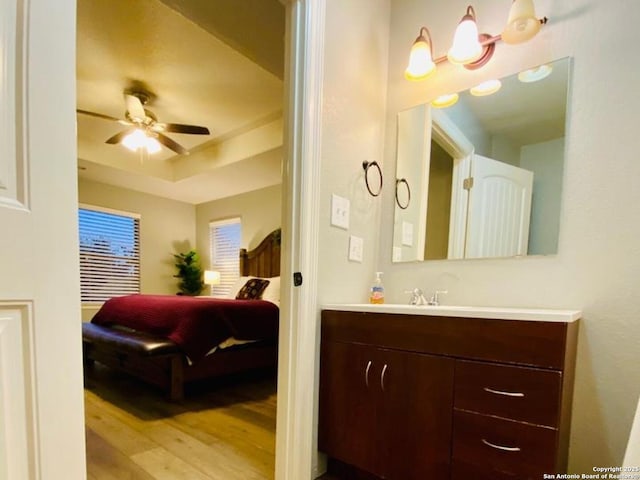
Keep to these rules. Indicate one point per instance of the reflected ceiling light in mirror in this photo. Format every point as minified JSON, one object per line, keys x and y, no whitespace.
{"x":421,"y":57}
{"x":535,"y":74}
{"x":470,"y":49}
{"x":486,"y":88}
{"x":522,"y":23}
{"x":445,"y":100}
{"x":466,"y":46}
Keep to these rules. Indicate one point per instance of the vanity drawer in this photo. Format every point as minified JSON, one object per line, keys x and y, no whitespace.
{"x":495,"y":444}
{"x":519,"y":393}
{"x":464,"y":471}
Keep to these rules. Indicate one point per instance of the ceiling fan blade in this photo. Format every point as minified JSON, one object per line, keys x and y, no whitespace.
{"x":117,"y":138}
{"x":135,"y":108}
{"x":170,"y":144}
{"x":191,"y":129}
{"x":99,"y":115}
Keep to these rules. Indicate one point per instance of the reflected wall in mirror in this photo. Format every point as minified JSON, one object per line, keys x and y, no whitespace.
{"x":484,"y":175}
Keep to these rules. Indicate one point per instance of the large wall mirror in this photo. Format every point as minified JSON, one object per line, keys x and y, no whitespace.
{"x":483,"y":178}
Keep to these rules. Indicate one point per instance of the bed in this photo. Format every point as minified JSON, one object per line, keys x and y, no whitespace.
{"x":155,"y":353}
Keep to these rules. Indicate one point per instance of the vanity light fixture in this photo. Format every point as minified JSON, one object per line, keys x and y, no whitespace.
{"x":421,"y":57}
{"x":466,"y":46}
{"x":471,"y":49}
{"x":445,"y":100}
{"x":486,"y":88}
{"x":535,"y":74}
{"x":522,"y":23}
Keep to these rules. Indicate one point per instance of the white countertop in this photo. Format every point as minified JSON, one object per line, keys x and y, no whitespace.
{"x":499,"y":313}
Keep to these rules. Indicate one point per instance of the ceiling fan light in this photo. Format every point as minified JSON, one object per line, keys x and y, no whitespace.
{"x":153,"y":145}
{"x":522,"y":23}
{"x":135,"y":140}
{"x":466,"y":47}
{"x":421,"y":63}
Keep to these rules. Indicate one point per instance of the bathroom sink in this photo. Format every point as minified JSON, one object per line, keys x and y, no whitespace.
{"x":500,"y":313}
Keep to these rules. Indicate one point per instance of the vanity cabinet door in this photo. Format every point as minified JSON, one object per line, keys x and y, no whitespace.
{"x":414,"y":413}
{"x":347,"y":428}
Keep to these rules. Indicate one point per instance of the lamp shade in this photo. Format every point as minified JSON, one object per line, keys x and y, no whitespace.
{"x":211,"y":277}
{"x":466,"y":47}
{"x":485,"y":88}
{"x":522,"y":23}
{"x":421,"y":63}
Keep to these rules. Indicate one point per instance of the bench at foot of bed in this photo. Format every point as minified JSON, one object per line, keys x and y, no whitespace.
{"x":160,"y":361}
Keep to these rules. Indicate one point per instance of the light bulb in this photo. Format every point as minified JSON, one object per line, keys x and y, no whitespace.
{"x":135,"y":140}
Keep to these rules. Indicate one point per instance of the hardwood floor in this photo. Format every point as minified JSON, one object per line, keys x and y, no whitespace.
{"x":224,"y":430}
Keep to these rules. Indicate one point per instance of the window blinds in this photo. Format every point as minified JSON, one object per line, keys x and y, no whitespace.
{"x":225,"y":239}
{"x":109,"y":254}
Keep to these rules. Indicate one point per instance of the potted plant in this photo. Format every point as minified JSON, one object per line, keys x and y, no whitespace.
{"x":189,"y":272}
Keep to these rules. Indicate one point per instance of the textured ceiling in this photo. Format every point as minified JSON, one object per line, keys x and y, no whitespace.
{"x":199,"y":74}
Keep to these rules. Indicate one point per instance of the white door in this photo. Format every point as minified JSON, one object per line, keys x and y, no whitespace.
{"x":499,"y":209}
{"x":41,"y":405}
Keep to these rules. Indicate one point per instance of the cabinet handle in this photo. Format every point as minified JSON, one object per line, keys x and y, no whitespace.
{"x":366,"y":374}
{"x":500,"y":447}
{"x":506,"y":394}
{"x":384,"y":371}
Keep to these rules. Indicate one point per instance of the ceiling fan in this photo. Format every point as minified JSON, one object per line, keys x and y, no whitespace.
{"x":144,"y":125}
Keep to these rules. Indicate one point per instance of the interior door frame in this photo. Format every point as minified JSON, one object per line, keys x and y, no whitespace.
{"x":296,"y":451}
{"x":447,"y":134}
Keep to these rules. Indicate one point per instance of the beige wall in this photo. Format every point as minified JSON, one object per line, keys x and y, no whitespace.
{"x":166,"y":227}
{"x":598,"y":264}
{"x":260,"y":211}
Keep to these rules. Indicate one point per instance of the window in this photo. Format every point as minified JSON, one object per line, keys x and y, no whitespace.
{"x":225,"y":236}
{"x":109,"y":254}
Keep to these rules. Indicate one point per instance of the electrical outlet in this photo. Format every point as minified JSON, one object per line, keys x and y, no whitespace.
{"x":340,"y":211}
{"x":356,"y":244}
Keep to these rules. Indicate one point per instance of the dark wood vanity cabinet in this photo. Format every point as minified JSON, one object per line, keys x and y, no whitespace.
{"x":386,"y":411}
{"x":407,"y":397}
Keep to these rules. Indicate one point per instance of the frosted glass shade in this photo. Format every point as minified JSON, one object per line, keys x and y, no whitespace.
{"x":522,"y":23}
{"x":486,"y":88}
{"x":420,"y":60}
{"x":446,"y":100}
{"x":139,"y":139}
{"x":466,"y":47}
{"x":535,"y":74}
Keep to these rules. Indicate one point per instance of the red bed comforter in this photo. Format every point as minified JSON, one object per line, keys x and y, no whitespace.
{"x":196,"y":324}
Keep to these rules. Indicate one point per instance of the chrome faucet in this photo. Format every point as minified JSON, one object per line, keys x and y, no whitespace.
{"x":435,"y":300}
{"x":417,"y":297}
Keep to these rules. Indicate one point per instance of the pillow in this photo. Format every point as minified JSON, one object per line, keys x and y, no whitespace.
{"x":253,"y":289}
{"x":272,"y":292}
{"x":237,"y":286}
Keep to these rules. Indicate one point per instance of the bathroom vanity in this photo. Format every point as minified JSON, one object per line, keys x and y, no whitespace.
{"x":419,"y":392}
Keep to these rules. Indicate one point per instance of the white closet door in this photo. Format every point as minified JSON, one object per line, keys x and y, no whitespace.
{"x":499,"y":209}
{"x":41,"y":405}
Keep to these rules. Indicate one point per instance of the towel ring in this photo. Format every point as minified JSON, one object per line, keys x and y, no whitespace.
{"x":366,"y":165}
{"x":398,"y":182}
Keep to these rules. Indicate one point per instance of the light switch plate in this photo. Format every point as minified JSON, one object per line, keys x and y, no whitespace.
{"x":397,"y":254}
{"x":356,"y":245}
{"x":340,"y":211}
{"x":407,"y":234}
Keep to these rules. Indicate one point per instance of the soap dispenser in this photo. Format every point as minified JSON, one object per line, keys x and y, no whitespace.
{"x":377,"y":290}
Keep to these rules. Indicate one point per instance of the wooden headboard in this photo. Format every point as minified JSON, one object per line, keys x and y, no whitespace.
{"x":264,"y":260}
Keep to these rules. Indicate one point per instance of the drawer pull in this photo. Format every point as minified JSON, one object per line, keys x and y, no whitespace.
{"x":366,"y":374}
{"x":384,"y":371}
{"x":500,"y":447}
{"x":506,"y":394}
